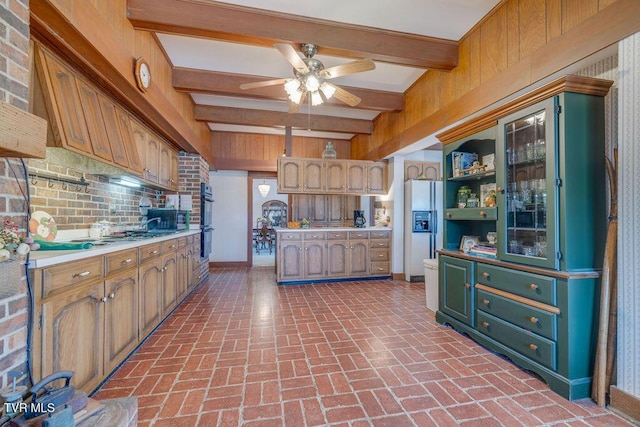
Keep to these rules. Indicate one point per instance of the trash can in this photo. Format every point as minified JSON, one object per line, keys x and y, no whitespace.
{"x":431,"y":283}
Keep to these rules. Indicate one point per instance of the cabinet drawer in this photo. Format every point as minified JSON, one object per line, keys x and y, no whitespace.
{"x":149,"y":251}
{"x":315,"y":235}
{"x":289,"y":236}
{"x":169,"y":246}
{"x":353,"y":235}
{"x":524,"y":342}
{"x":376,"y":234}
{"x":337,"y":235}
{"x":58,"y":277}
{"x":529,"y":285}
{"x":380,"y":268}
{"x":471,"y":214}
{"x":379,"y":254}
{"x":378,"y":243}
{"x":530,"y":318}
{"x":120,"y":261}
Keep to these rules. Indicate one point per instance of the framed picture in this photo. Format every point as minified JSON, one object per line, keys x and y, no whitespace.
{"x":467,"y":242}
{"x":485,"y":191}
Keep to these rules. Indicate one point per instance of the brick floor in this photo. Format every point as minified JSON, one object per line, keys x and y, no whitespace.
{"x":242,"y":351}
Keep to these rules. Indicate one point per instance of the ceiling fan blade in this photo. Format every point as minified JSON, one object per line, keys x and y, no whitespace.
{"x":345,"y":96}
{"x":254,"y":85}
{"x":348,"y":68}
{"x":292,"y":56}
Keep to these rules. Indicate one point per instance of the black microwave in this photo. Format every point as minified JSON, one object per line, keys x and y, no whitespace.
{"x":161,"y":220}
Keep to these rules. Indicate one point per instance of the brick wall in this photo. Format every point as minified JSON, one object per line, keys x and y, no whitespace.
{"x":193,"y":170}
{"x":14,"y":89}
{"x":76,"y":208}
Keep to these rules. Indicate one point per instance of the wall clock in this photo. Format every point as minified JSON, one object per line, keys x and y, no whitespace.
{"x":142,"y":74}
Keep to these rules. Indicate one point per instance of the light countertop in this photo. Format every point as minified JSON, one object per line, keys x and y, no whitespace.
{"x":288,"y":230}
{"x":39,"y":259}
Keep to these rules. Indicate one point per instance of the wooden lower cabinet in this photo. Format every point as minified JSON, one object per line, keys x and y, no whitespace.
{"x":150,"y":307}
{"x":338,"y":258}
{"x":73,"y":335}
{"x":358,"y":257}
{"x":121,"y":317}
{"x":169,"y":283}
{"x":326,"y":253}
{"x":92,"y":313}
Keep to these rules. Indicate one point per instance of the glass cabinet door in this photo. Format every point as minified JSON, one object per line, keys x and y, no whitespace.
{"x":526,"y":224}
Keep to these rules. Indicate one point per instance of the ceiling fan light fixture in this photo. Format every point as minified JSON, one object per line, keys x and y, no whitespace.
{"x":292,"y":86}
{"x":327,"y":90}
{"x":316,"y":99}
{"x":295,"y":97}
{"x":311,"y":83}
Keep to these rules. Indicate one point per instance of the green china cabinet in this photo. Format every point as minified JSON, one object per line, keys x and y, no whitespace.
{"x":524,"y":230}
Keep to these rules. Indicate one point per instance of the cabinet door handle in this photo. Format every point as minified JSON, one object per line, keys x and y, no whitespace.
{"x":483,"y":214}
{"x":466,"y":285}
{"x":485,"y":301}
{"x":485,"y":324}
{"x":485,"y":275}
{"x":126,"y":261}
{"x":380,"y":255}
{"x":533,"y":347}
{"x":83,"y":274}
{"x":533,"y":287}
{"x":104,"y":299}
{"x":153,"y":252}
{"x":448,"y":214}
{"x":380,"y":268}
{"x":112,"y":295}
{"x":534,"y":319}
{"x":172,"y":246}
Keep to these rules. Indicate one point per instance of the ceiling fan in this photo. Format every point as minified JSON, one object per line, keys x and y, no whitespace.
{"x":311,"y":77}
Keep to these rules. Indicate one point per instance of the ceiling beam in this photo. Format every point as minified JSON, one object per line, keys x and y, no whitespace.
{"x":228,"y":84}
{"x":261,"y":27}
{"x":248,"y":117}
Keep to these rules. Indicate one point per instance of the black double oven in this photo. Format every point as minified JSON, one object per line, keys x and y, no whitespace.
{"x":206,"y":219}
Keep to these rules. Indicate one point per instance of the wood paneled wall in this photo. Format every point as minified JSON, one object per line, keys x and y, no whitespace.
{"x":143,"y":43}
{"x":517,"y":44}
{"x":241,"y":149}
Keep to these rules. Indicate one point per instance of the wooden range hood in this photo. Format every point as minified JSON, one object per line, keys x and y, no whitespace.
{"x":22,"y":134}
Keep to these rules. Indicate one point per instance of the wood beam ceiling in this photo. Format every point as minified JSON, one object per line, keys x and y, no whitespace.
{"x":260,"y":27}
{"x":228,"y":84}
{"x":248,"y":117}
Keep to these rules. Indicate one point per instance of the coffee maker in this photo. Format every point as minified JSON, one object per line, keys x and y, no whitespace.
{"x":359,"y":221}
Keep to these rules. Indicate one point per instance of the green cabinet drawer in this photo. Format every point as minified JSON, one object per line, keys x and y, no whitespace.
{"x":528,"y":344}
{"x":529,"y":285}
{"x":530,"y":318}
{"x":472,"y":214}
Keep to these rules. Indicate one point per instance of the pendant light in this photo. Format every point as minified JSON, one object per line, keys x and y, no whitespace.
{"x":264,"y":189}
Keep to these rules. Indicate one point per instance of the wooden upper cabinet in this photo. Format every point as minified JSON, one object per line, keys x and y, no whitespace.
{"x":95,"y":124}
{"x":336,"y":176}
{"x":313,"y":175}
{"x":356,"y":177}
{"x":164,"y":171}
{"x":173,"y":159}
{"x":289,"y":175}
{"x":110,"y":118}
{"x":377,"y":178}
{"x":63,"y":103}
{"x":414,"y":169}
{"x":128,"y":141}
{"x":149,"y":148}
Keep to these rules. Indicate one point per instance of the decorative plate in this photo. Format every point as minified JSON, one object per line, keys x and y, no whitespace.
{"x":42,"y":226}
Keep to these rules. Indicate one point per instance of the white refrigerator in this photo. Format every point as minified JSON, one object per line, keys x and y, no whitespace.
{"x":422,"y":225}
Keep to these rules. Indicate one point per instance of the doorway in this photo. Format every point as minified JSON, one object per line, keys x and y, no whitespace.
{"x":267,"y":208}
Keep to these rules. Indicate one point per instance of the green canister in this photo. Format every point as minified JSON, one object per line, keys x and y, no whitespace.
{"x":463,"y":195}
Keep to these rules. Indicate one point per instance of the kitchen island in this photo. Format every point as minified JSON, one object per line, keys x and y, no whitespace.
{"x":92,"y":307}
{"x":327,"y":254}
